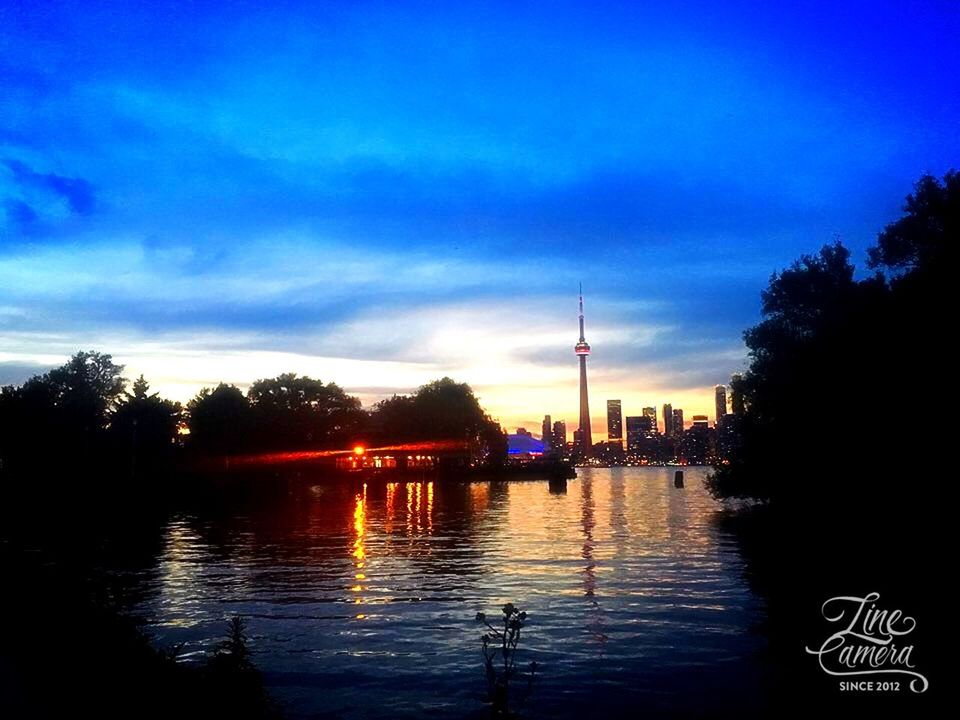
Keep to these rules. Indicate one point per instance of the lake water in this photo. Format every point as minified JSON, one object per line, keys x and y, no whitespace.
{"x":361,"y":601}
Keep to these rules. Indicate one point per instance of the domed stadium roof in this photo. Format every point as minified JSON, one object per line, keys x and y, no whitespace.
{"x":523,"y":445}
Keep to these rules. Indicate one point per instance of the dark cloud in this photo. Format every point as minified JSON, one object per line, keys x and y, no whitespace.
{"x":78,"y":193}
{"x":609,"y":210}
{"x":16,"y":373}
{"x":19,"y":214}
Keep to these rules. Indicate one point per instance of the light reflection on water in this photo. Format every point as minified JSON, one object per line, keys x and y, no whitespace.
{"x":361,"y":600}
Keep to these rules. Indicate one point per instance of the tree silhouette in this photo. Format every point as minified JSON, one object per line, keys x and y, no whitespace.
{"x":144,"y":428}
{"x":847,"y":411}
{"x":828,"y":350}
{"x":65,"y":409}
{"x":441,"y":410}
{"x":84,"y":390}
{"x":928,"y":231}
{"x":292,"y":412}
{"x":82,"y":410}
{"x":800,"y":307}
{"x":220,"y":420}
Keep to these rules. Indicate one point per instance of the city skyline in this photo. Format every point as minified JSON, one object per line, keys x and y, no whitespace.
{"x":647,"y":410}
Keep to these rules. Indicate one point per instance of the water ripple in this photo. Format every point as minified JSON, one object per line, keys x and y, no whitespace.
{"x":633,"y":593}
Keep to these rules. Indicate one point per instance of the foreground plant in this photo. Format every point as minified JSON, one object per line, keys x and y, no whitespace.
{"x":500,"y":671}
{"x":236,"y":687}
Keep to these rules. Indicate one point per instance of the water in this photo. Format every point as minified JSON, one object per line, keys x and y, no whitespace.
{"x":361,"y":601}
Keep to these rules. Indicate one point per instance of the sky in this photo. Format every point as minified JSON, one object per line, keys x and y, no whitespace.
{"x":381,"y":194}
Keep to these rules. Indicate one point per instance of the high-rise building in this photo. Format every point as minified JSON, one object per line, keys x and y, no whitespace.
{"x":697,"y":447}
{"x":614,"y":421}
{"x":546,"y":433}
{"x":678,"y":422}
{"x":736,"y":396}
{"x":720,"y":395}
{"x":635,"y":426}
{"x":668,"y":419}
{"x":582,"y":349}
{"x":560,"y":435}
{"x":641,"y":435}
{"x":578,"y":446}
{"x":651,"y":412}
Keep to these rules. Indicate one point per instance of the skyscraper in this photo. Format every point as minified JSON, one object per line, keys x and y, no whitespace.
{"x":582,"y":349}
{"x":698,"y":441}
{"x":677,"y":422}
{"x":614,"y":420}
{"x":635,"y":429}
{"x":560,"y":436}
{"x":668,"y":419}
{"x":546,"y":433}
{"x":651,"y":412}
{"x":721,"y":397}
{"x":641,"y":435}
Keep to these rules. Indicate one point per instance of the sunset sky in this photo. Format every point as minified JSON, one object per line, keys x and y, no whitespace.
{"x":380,"y":194}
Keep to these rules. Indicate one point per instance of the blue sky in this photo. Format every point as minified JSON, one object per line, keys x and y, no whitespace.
{"x":382,"y":193}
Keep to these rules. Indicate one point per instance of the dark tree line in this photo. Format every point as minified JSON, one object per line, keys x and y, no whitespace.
{"x":289,"y":412}
{"x":848,"y":435}
{"x":849,"y":379}
{"x":62,"y":417}
{"x":80,"y":416}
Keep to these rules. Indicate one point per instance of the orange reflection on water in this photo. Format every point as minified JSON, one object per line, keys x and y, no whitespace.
{"x":430,"y":507}
{"x":409,"y":509}
{"x":359,"y":527}
{"x":420,"y":508}
{"x":417,"y":506}
{"x":359,"y":548}
{"x":479,"y":497}
{"x":390,"y":509}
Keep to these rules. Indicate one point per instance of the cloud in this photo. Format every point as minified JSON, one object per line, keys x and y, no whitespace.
{"x":16,"y":373}
{"x":77,"y":192}
{"x":34,"y":202}
{"x":19,"y":214}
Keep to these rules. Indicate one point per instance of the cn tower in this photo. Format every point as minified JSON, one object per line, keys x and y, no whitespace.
{"x":582,"y":349}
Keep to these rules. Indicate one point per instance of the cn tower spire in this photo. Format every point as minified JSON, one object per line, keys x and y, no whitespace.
{"x":582,"y":349}
{"x":581,"y":313}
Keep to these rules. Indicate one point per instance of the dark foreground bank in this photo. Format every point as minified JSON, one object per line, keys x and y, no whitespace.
{"x":70,"y":651}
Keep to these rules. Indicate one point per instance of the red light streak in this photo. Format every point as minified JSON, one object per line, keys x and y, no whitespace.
{"x":279,"y":458}
{"x":285,"y":457}
{"x":427,"y":446}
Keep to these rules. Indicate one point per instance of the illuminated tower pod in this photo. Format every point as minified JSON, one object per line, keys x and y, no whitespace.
{"x":582,"y":349}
